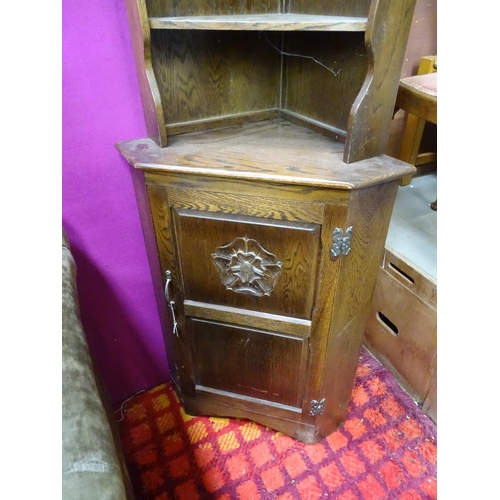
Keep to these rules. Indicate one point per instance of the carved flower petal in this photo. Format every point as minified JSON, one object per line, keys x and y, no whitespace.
{"x":250,"y":269}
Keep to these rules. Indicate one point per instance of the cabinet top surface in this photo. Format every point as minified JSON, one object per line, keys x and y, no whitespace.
{"x":272,"y":151}
{"x":266,"y":22}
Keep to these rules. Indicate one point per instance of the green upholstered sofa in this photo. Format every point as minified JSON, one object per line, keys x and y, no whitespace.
{"x":92,"y":461}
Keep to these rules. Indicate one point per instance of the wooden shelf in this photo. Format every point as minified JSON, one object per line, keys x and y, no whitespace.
{"x":261,"y":22}
{"x":272,"y":150}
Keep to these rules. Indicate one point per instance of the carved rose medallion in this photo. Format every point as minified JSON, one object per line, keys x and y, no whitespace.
{"x":245,"y":267}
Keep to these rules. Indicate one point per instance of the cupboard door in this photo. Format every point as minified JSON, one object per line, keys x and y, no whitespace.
{"x":248,"y":363}
{"x":249,"y":263}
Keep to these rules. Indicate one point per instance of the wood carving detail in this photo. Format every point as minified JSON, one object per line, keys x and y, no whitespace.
{"x":246,"y":267}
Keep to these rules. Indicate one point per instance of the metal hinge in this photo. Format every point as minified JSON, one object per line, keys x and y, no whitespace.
{"x":317,"y":407}
{"x":341,"y":243}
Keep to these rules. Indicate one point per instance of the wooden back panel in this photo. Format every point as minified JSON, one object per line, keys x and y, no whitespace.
{"x":166,"y":8}
{"x":207,"y":74}
{"x":324,"y":77}
{"x":195,"y":80}
{"x":327,"y":7}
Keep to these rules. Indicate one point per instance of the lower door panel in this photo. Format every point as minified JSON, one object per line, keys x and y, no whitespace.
{"x":249,"y":363}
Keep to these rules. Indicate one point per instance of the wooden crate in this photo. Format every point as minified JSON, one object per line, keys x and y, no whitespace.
{"x":401,"y":331}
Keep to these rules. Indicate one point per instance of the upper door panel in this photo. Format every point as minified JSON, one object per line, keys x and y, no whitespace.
{"x":248,"y":263}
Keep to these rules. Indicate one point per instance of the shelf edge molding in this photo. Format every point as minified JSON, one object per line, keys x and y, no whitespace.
{"x":262,"y":22}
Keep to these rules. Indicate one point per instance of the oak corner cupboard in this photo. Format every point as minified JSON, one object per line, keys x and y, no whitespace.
{"x":265,"y":195}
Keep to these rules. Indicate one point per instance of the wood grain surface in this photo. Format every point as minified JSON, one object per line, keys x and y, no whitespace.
{"x":247,"y":205}
{"x":261,"y":22}
{"x":275,"y":151}
{"x":322,"y":128}
{"x":416,"y":280}
{"x":407,"y":297}
{"x":209,"y":74}
{"x":304,"y":195}
{"x":222,"y":121}
{"x":327,"y":290}
{"x":178,"y":346}
{"x":418,"y":103}
{"x":249,"y":362}
{"x":369,"y":215}
{"x":371,"y":114}
{"x":173,"y":354}
{"x":180,"y":8}
{"x":315,"y":322}
{"x":150,"y":94}
{"x":411,"y":353}
{"x":327,"y":7}
{"x":266,"y":149}
{"x":204,"y":65}
{"x":333,"y":64}
{"x":236,"y":316}
{"x":282,"y":418}
{"x":430,"y":402}
{"x":295,"y":245}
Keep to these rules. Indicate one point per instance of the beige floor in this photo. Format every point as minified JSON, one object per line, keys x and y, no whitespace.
{"x":413,"y":227}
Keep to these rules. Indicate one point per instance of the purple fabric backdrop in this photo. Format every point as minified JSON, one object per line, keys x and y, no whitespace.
{"x":102,"y":106}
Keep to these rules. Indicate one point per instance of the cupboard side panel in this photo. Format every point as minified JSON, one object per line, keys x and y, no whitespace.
{"x":369,"y":214}
{"x":179,"y":345}
{"x":154,"y":264}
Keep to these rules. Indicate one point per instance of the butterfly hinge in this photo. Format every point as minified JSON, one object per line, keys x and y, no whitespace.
{"x":341,"y":244}
{"x":317,"y":407}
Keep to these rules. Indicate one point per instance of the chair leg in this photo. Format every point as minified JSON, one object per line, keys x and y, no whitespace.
{"x":414,"y":130}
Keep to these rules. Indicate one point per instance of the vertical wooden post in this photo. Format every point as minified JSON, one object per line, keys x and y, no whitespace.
{"x":141,"y":42}
{"x":389,"y":24}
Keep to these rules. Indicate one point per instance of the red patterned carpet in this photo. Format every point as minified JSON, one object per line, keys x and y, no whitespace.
{"x":385,"y":450}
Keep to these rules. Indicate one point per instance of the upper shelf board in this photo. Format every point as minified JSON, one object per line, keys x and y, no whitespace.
{"x":261,"y":22}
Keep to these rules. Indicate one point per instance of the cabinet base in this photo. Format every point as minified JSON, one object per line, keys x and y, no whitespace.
{"x":305,"y":433}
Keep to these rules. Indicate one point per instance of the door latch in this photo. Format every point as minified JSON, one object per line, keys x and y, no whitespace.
{"x":170,"y":303}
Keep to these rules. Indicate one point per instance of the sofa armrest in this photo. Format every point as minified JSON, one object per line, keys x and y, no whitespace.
{"x":92,"y":468}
